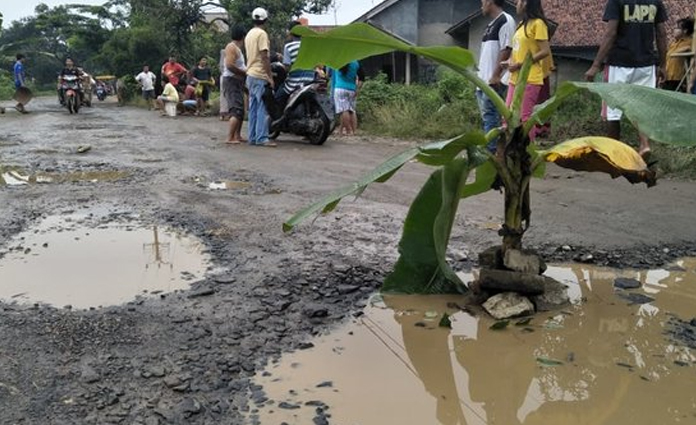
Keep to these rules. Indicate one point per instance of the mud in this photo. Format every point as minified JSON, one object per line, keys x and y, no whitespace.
{"x":188,"y":357}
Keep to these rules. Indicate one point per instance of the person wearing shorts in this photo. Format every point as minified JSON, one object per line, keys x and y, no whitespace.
{"x":233,"y":78}
{"x":347,"y":82}
{"x":146,"y":79}
{"x":635,"y":49}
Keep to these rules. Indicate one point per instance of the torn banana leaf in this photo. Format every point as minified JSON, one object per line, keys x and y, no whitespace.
{"x":604,"y":155}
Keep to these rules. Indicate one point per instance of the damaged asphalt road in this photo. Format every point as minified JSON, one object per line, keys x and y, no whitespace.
{"x":186,"y":357}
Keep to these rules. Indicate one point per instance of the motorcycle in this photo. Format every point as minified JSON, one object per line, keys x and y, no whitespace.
{"x":309,"y":111}
{"x":101,"y":92}
{"x":71,"y":86}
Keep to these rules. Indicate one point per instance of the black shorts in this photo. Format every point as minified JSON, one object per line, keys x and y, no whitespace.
{"x":149,"y":94}
{"x":234,"y":94}
{"x":206,"y":93}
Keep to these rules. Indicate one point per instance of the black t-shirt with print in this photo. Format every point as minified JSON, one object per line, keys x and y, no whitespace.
{"x":635,"y":42}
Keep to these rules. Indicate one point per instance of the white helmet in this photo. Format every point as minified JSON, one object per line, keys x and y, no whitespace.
{"x":259,"y":14}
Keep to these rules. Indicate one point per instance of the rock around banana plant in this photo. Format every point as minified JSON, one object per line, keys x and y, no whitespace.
{"x":422,"y":266}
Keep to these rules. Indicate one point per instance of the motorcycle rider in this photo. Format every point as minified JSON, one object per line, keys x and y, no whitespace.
{"x":296,"y":78}
{"x":70,"y":69}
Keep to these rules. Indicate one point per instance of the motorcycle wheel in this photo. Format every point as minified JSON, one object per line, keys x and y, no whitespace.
{"x":319,"y":138}
{"x":71,"y":105}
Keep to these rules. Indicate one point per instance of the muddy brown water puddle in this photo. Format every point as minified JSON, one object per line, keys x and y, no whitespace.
{"x":62,"y":261}
{"x":12,"y":176}
{"x":600,"y":361}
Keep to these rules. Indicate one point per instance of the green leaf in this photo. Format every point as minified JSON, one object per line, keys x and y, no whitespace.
{"x":441,"y":153}
{"x":500,"y":325}
{"x":329,"y":202}
{"x":485,"y":176}
{"x":544,"y":361}
{"x":422,"y":266}
{"x":520,"y":88}
{"x":662,"y":115}
{"x":435,"y":153}
{"x":445,"y":322}
{"x":357,"y":41}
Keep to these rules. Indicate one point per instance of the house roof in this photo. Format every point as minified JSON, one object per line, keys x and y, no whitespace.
{"x":381,"y":7}
{"x":583,"y":27}
{"x":470,"y":18}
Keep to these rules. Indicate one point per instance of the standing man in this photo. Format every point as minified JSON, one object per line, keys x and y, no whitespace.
{"x":203,"y":80}
{"x":259,"y":75}
{"x":20,"y":78}
{"x":147,"y":80}
{"x":233,"y":83}
{"x":495,"y":49}
{"x":635,"y":48}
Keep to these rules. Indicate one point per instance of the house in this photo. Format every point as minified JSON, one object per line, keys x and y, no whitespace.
{"x":424,"y":23}
{"x":461,"y":23}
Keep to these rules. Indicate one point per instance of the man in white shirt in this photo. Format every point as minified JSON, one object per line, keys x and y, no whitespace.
{"x":495,"y":49}
{"x":147,"y":79}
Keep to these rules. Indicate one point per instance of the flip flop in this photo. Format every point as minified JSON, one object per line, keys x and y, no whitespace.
{"x":268,"y":145}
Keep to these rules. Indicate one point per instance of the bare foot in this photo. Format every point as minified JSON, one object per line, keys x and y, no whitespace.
{"x":233,"y":142}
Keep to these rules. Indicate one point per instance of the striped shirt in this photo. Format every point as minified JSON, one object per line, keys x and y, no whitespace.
{"x":296,"y":78}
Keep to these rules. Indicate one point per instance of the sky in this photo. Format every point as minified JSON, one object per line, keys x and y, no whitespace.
{"x":347,"y":10}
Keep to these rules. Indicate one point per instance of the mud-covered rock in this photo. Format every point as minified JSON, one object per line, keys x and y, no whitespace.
{"x":522,"y":262}
{"x":555,"y":296}
{"x":626,"y":283}
{"x":508,"y":305}
{"x":496,"y":281}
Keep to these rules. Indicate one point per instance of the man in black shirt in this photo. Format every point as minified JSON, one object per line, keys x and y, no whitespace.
{"x":635,"y":43}
{"x":203,"y":79}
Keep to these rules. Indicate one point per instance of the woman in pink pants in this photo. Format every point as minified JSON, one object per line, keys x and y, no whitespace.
{"x":531,"y":37}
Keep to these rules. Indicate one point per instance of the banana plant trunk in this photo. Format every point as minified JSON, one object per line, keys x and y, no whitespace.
{"x":517,"y":162}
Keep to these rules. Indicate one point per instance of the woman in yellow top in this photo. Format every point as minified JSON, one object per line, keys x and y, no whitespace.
{"x":531,"y":38}
{"x":676,"y":68}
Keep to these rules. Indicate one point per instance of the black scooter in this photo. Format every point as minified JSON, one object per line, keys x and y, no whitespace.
{"x":309,"y":111}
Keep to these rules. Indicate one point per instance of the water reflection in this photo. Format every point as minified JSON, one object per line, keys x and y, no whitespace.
{"x":617,"y":365}
{"x":84,"y":262}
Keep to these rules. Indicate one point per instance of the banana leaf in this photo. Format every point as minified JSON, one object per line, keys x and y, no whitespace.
{"x":357,"y":41}
{"x":422,"y":266}
{"x":662,"y":115}
{"x":601,"y":154}
{"x":436,"y":154}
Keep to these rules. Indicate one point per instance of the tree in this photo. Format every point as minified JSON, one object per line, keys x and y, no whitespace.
{"x":422,"y":266}
{"x":281,"y":12}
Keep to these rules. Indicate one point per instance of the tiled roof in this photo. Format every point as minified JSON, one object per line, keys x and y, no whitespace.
{"x":580,"y":21}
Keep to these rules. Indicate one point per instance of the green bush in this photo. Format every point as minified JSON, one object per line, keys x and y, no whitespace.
{"x":6,"y":85}
{"x":418,"y":111}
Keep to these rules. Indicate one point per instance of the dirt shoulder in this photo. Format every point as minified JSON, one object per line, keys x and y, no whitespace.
{"x":187,"y":357}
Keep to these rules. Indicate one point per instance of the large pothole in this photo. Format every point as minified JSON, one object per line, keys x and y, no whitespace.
{"x":605,"y":359}
{"x":84,"y":261}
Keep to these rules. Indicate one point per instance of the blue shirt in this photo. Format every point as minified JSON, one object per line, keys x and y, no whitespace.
{"x":347,"y":80}
{"x":19,"y":74}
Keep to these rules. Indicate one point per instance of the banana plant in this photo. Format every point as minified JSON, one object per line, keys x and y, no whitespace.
{"x":422,"y":267}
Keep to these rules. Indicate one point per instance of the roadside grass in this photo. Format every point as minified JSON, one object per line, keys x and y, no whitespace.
{"x":428,"y":112}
